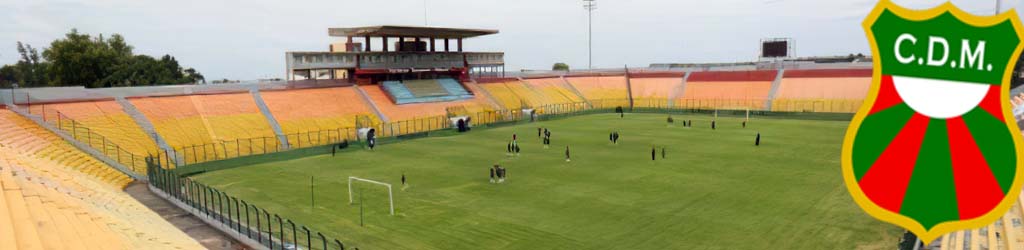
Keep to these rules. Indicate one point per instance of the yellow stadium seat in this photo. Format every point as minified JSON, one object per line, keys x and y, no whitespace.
{"x":602,"y":91}
{"x":230,"y":125}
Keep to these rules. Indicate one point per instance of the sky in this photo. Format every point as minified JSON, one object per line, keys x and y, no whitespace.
{"x":245,"y":40}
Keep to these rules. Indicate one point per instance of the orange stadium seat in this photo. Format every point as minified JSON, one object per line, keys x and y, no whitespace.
{"x":727,"y":89}
{"x":220,"y":125}
{"x":334,"y":111}
{"x":653,"y":92}
{"x":840,"y":91}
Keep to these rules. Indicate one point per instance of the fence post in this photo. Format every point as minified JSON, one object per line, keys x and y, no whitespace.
{"x":238,"y":216}
{"x":295,"y":236}
{"x":323,"y":239}
{"x":309,"y":238}
{"x":270,"y":230}
{"x":248,"y":224}
{"x":340,"y":246}
{"x":259,"y":225}
{"x":280,"y":225}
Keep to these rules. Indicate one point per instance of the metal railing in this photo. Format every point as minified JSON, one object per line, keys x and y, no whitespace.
{"x":134,"y":162}
{"x":243,"y":218}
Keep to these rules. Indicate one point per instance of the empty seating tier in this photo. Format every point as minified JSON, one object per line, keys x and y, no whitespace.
{"x":323,"y":109}
{"x":23,"y":135}
{"x":106,"y":119}
{"x":602,"y":91}
{"x":44,"y":205}
{"x":216,"y":126}
{"x":653,"y":92}
{"x":822,"y":90}
{"x":420,"y":91}
{"x":727,"y":89}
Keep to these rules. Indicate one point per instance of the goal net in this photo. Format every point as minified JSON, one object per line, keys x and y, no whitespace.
{"x":391,"y":200}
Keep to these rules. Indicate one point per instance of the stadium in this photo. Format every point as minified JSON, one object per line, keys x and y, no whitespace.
{"x":391,"y":139}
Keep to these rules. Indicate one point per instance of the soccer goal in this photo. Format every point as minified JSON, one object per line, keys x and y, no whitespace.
{"x":391,"y":199}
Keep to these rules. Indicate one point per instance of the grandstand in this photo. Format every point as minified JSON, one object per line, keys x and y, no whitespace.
{"x":607,"y":91}
{"x":334,"y":111}
{"x":727,"y":89}
{"x":222,"y":123}
{"x":67,"y":154}
{"x":56,"y":197}
{"x":104,"y":118}
{"x":214,"y":122}
{"x":834,"y":90}
{"x":655,"y":90}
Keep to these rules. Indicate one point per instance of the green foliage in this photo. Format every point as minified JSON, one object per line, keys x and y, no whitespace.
{"x":560,"y":66}
{"x":78,"y":59}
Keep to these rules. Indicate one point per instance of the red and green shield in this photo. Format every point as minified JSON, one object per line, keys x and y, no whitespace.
{"x":934,"y":148}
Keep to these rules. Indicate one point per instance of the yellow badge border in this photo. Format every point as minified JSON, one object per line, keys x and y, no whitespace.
{"x":859,"y":197}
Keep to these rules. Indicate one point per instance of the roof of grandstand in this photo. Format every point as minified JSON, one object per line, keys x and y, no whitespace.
{"x":409,"y":31}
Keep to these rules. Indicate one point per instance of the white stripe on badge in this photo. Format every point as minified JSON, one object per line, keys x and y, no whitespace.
{"x":939,"y":99}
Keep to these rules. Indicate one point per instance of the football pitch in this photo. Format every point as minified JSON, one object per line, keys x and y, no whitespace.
{"x":713,"y":190}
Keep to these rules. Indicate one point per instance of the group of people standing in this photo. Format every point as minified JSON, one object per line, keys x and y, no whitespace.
{"x":499,"y":172}
{"x":513,"y":146}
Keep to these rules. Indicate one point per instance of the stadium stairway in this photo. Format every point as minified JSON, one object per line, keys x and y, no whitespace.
{"x":270,"y":117}
{"x":146,"y":126}
{"x":565,"y":84}
{"x":629,"y":89}
{"x":678,"y":90}
{"x":475,"y":87}
{"x":774,"y":90}
{"x":369,"y":102}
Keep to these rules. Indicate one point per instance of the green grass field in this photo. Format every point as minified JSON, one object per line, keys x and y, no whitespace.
{"x":715,"y":190}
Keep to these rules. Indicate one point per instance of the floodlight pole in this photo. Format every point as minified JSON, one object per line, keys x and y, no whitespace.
{"x":590,"y":6}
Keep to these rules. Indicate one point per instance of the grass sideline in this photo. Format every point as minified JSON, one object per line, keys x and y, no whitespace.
{"x":715,"y":190}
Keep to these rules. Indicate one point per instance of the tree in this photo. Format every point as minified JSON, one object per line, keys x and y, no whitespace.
{"x":7,"y":76}
{"x":82,"y":60}
{"x":29,"y":71}
{"x":560,"y":66}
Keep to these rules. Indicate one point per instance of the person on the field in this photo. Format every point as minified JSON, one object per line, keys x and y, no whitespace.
{"x":744,"y":124}
{"x":492,"y":172}
{"x":616,"y":137}
{"x":508,"y":148}
{"x":517,"y":149}
{"x":538,"y":132}
{"x":653,"y":153}
{"x":403,"y":182}
{"x":567,"y":158}
{"x":663,"y":153}
{"x":712,"y":125}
